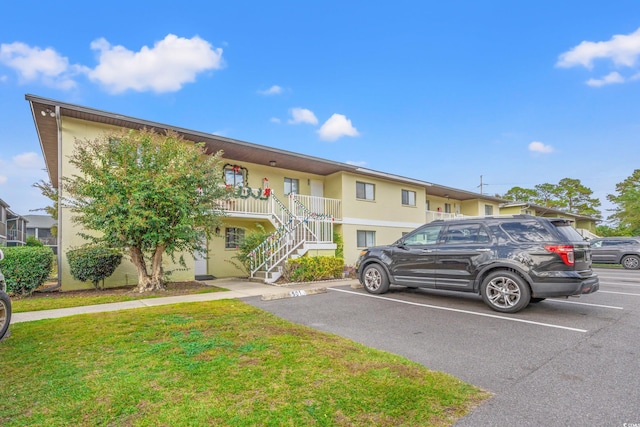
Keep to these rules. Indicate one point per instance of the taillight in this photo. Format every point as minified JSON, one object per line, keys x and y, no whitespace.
{"x":565,"y":252}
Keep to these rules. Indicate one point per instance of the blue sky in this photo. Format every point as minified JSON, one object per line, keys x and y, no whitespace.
{"x":521,"y":93}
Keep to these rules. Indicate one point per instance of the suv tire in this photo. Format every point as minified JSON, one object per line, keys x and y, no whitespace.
{"x":375,"y":279}
{"x":630,"y":262}
{"x":5,"y":313}
{"x":505,"y":292}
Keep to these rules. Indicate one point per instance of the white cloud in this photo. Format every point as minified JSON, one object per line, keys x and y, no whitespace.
{"x":623,"y":50}
{"x":28,"y":160}
{"x":336,"y":127}
{"x":613,"y":77}
{"x":356,"y":163}
{"x":3,"y":179}
{"x":273,"y":90}
{"x":165,"y":67}
{"x":4,"y":78}
{"x":539,"y":147}
{"x":36,"y":64}
{"x":302,"y":115}
{"x":274,"y":120}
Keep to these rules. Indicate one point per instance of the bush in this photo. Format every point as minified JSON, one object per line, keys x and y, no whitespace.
{"x":33,"y":241}
{"x":26,"y":268}
{"x":312,"y":268}
{"x":93,"y":263}
{"x":252,"y":239}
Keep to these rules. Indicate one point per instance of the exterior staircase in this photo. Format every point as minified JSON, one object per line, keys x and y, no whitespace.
{"x":300,"y":226}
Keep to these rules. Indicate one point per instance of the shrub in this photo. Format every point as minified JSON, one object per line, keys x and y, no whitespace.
{"x":33,"y":241}
{"x":252,"y":240}
{"x":312,"y":268}
{"x":93,"y":263}
{"x":25,"y":268}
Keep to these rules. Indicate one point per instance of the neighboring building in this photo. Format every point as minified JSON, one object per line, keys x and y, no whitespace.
{"x":12,"y":227}
{"x":4,"y":208}
{"x":39,"y":226}
{"x":309,"y":198}
{"x":585,"y":225}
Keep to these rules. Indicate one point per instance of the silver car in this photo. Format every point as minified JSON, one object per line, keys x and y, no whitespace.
{"x":617,"y":250}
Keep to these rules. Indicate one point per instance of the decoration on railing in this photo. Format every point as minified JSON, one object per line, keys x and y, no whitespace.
{"x":242,"y":192}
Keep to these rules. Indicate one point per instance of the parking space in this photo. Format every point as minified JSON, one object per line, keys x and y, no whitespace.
{"x":558,"y":362}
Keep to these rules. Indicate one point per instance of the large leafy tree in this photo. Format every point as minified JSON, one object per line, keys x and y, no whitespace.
{"x":145,"y":193}
{"x":568,"y":195}
{"x":627,"y":199}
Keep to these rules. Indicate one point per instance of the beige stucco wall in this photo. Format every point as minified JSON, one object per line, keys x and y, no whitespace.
{"x":126,"y":273}
{"x":386,"y":215}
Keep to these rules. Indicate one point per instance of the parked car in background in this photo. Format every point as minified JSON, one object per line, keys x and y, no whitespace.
{"x":511,"y":261}
{"x":617,"y":250}
{"x":5,"y":304}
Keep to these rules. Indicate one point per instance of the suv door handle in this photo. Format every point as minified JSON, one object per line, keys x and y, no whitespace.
{"x":483,"y":250}
{"x":426,"y":251}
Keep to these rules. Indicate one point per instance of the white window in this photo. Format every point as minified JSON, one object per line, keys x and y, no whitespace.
{"x":488,"y":209}
{"x":233,"y":236}
{"x":365,"y":191}
{"x":291,"y":186}
{"x":408,"y":198}
{"x":366,"y":238}
{"x":234,"y":175}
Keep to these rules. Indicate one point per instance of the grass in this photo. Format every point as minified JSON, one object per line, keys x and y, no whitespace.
{"x":54,"y":300}
{"x":213,"y":363}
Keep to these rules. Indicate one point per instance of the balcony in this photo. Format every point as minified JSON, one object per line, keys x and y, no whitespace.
{"x":298,"y":205}
{"x":435,"y":215}
{"x":14,"y":235}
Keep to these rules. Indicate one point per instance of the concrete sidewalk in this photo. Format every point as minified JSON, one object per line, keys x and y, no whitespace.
{"x":237,"y":288}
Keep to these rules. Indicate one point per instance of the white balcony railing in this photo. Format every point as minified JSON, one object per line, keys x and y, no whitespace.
{"x":434,"y":215}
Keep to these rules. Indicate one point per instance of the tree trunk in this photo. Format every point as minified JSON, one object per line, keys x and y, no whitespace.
{"x":148,"y":282}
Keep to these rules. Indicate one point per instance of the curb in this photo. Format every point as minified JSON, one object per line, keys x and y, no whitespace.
{"x":294,"y":293}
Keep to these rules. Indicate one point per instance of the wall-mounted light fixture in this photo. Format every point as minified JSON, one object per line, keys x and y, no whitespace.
{"x":272,"y":163}
{"x":48,"y":112}
{"x":217,"y":230}
{"x":446,"y":195}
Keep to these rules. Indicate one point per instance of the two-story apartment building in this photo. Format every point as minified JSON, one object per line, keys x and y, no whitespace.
{"x":40,"y":226}
{"x":13,"y":227}
{"x":309,"y":200}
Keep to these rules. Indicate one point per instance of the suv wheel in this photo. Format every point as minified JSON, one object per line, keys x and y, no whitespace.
{"x":505,"y":291}
{"x":375,"y":279}
{"x":631,"y":262}
{"x":5,"y":313}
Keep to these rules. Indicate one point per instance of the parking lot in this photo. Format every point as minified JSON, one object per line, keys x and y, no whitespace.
{"x":562,"y":362}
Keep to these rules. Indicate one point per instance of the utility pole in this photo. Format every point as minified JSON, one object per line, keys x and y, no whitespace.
{"x":481,"y":184}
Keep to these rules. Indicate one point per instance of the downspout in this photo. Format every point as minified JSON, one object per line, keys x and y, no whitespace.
{"x":59,"y":234}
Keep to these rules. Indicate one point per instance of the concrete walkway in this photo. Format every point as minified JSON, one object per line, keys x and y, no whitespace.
{"x":237,"y":288}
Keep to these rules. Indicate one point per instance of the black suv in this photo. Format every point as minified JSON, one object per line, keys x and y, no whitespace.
{"x":617,"y":250}
{"x":511,"y":261}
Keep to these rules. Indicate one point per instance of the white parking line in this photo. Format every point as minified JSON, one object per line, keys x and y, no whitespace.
{"x":461,"y":311}
{"x":584,"y":303}
{"x":619,"y":293}
{"x":619,"y":284}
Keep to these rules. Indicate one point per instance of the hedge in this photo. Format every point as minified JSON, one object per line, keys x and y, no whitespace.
{"x":93,"y":263}
{"x":312,"y":268}
{"x":26,"y":268}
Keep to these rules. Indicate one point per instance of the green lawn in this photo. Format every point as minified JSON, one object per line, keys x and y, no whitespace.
{"x":38,"y":302}
{"x":212,"y":363}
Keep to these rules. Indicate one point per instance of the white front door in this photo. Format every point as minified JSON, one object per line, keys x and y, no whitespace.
{"x":200,"y":265}
{"x":317,"y":190}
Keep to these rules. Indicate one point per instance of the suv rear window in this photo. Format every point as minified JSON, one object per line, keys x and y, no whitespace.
{"x":528,"y":231}
{"x":569,"y":232}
